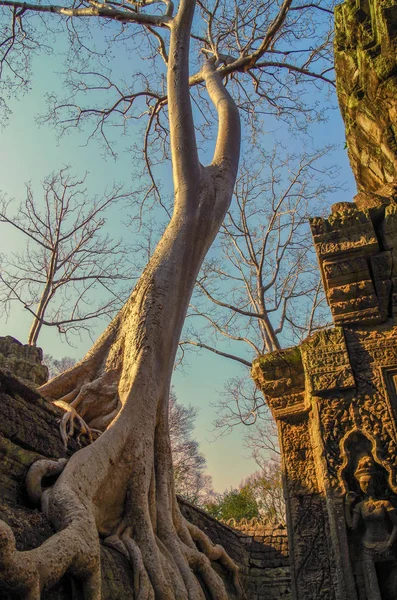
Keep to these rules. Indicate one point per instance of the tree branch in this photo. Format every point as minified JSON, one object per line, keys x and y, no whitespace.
{"x":96,"y":9}
{"x":215,"y":351}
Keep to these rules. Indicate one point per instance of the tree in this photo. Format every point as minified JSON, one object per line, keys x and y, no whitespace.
{"x":121,"y":486}
{"x":66,"y":275}
{"x":262,"y":291}
{"x":267,"y":488}
{"x":58,"y":365}
{"x":237,"y":504}
{"x":188,"y":463}
{"x":259,"y":496}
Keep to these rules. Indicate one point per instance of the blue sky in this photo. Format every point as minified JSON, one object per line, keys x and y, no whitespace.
{"x":30,"y":152}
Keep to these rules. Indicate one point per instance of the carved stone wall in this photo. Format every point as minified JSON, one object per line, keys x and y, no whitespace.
{"x":335,"y":401}
{"x":23,"y":360}
{"x":261,"y":551}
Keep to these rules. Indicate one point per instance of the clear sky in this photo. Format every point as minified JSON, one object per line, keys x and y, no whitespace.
{"x":30,"y":152}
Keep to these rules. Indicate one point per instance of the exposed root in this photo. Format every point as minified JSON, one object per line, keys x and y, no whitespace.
{"x":39,"y":470}
{"x":74,"y":549}
{"x":115,"y":542}
{"x":216,"y":553}
{"x":89,"y":406}
{"x":183,"y":561}
{"x":19,"y":573}
{"x":70,"y":421}
{"x":201,"y":565}
{"x":142,"y":587}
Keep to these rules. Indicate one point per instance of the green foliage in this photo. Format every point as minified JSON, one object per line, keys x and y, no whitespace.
{"x":235,"y":504}
{"x":260,"y":496}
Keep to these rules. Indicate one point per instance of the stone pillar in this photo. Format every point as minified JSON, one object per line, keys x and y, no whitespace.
{"x":335,"y":402}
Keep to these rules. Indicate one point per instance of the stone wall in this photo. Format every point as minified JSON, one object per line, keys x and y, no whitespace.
{"x":23,"y":360}
{"x":260,"y":550}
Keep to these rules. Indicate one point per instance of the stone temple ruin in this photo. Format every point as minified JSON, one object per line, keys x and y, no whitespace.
{"x":334,"y":397}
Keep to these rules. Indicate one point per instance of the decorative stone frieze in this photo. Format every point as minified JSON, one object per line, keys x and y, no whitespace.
{"x":335,"y":402}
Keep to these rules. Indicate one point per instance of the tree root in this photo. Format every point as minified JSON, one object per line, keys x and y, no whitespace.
{"x":196,"y":551}
{"x":74,"y":549}
{"x":171,"y":558}
{"x":89,"y":406}
{"x":72,"y":421}
{"x":124,"y":544}
{"x":39,"y":470}
{"x":216,"y":552}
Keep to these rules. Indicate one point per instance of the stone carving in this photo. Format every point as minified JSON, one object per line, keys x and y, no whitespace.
{"x":346,"y":380}
{"x":281,"y":377}
{"x":357,"y":271}
{"x":378,"y":517}
{"x":299,"y":462}
{"x":313,"y":559}
{"x":327,"y":362}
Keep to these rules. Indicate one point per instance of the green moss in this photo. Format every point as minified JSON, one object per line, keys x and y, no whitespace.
{"x":384,"y":66}
{"x":291,"y":356}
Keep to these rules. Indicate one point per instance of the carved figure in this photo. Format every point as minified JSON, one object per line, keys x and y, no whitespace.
{"x":378,"y":517}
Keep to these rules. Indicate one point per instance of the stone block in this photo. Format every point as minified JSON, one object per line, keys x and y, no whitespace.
{"x":351,"y":291}
{"x":347,"y":270}
{"x":23,"y":361}
{"x":381,"y":266}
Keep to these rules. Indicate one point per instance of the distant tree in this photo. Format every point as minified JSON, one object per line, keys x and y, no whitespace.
{"x":239,"y":503}
{"x":66,"y":273}
{"x":267,"y":488}
{"x":261,"y":291}
{"x":190,"y":481}
{"x":260,"y":495}
{"x":57,"y":366}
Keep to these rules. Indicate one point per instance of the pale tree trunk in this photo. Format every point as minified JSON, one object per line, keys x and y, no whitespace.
{"x":122,"y":485}
{"x":44,"y":300}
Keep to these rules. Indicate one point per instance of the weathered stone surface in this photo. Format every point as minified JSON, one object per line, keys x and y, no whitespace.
{"x":280,"y":376}
{"x":366,"y":75}
{"x":261,"y":553}
{"x":327,"y":363}
{"x":351,"y":413}
{"x":347,"y":413}
{"x":23,"y":361}
{"x":359,"y":278}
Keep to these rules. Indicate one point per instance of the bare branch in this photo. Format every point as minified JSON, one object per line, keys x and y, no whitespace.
{"x":215,"y":351}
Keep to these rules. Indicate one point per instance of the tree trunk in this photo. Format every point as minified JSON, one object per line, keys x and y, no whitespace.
{"x":44,"y":300}
{"x":122,"y":485}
